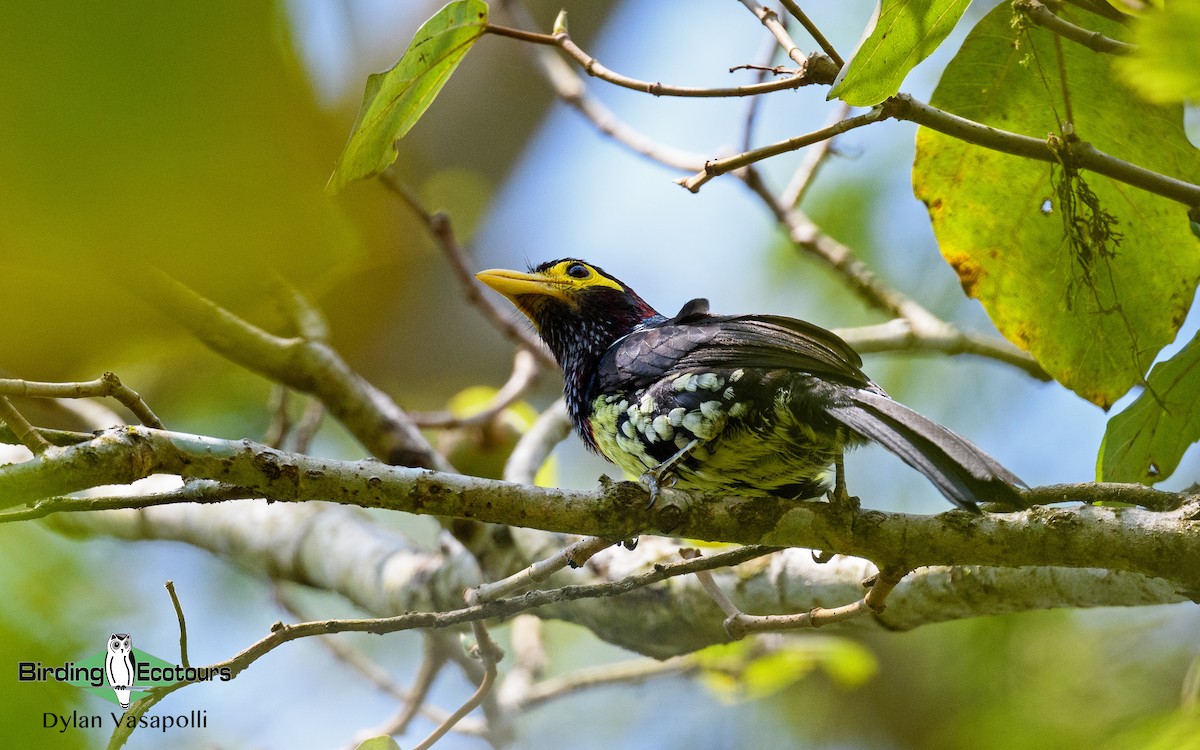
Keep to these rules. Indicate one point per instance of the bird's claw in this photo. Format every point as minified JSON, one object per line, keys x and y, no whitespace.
{"x":655,"y":481}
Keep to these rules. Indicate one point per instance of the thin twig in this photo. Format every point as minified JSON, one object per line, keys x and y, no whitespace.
{"x":813,"y":31}
{"x":280,"y":424}
{"x":440,"y":228}
{"x":107,"y":384}
{"x":54,"y":437}
{"x":1068,"y":127}
{"x":26,"y":433}
{"x":738,"y":624}
{"x":718,"y":167}
{"x":814,"y":69}
{"x":413,"y":700}
{"x":490,"y":654}
{"x":529,"y":662}
{"x":809,"y":238}
{"x":770,"y":19}
{"x":571,"y":89}
{"x":525,"y":372}
{"x":183,"y":643}
{"x":575,"y":555}
{"x":814,"y":159}
{"x":310,"y":423}
{"x":1043,"y":16}
{"x":434,"y":660}
{"x":551,"y":428}
{"x":899,"y":334}
{"x":754,"y":103}
{"x":196,"y":491}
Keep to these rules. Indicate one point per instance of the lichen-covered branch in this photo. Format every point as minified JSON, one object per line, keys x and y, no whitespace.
{"x":1158,"y":544}
{"x":345,"y":552}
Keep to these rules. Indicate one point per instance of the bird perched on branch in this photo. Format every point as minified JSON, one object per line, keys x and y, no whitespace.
{"x":744,"y":405}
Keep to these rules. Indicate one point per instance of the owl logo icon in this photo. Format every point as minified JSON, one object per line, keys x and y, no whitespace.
{"x":120,"y":666}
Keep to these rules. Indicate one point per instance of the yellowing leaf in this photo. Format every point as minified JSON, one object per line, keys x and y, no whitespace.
{"x":1091,"y":276}
{"x":900,"y":34}
{"x":395,"y":99}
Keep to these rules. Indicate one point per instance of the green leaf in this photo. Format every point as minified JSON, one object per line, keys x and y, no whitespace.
{"x":383,"y":742}
{"x":1094,"y":309}
{"x":395,"y":99}
{"x":1166,"y":66}
{"x":1145,"y":442}
{"x":899,"y":35}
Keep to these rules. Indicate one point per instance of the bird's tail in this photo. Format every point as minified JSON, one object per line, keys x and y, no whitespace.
{"x":962,"y":472}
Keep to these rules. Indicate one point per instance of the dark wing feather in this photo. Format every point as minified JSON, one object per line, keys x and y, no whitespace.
{"x":694,"y":340}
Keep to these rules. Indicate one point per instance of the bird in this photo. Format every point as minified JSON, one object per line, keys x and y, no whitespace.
{"x":751,"y":406}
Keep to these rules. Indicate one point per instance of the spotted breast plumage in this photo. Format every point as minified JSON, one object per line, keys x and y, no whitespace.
{"x":745,"y":405}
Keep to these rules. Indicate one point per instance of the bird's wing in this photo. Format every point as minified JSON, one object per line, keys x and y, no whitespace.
{"x":694,"y":340}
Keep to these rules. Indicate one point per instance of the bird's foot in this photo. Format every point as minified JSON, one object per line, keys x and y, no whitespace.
{"x":841,"y":500}
{"x":662,"y":477}
{"x":657,"y":480}
{"x":838,"y":497}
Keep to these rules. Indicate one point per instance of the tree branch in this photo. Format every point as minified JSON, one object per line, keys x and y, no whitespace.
{"x":1158,"y":544}
{"x":814,"y":69}
{"x":1083,"y":155}
{"x":718,"y":167}
{"x":1042,"y":15}
{"x":813,"y":31}
{"x":306,"y":365}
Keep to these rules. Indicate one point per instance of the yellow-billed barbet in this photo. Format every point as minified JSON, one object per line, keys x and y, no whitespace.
{"x":745,"y":405}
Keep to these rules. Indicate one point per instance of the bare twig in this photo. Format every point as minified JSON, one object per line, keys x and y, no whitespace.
{"x":183,"y":647}
{"x":107,"y":384}
{"x":434,"y":660}
{"x":571,"y":89}
{"x":899,"y":334}
{"x":524,"y":374}
{"x":490,"y":654}
{"x":529,"y":662}
{"x":738,"y":624}
{"x":281,"y":423}
{"x":412,"y":700}
{"x":813,"y":31}
{"x":574,"y":555}
{"x":310,"y":423}
{"x":718,"y":167}
{"x":813,"y":69}
{"x":622,"y":673}
{"x":774,"y":24}
{"x":551,"y":428}
{"x":1043,"y":16}
{"x":26,"y":433}
{"x":440,"y":228}
{"x":196,"y":491}
{"x":808,"y":237}
{"x":814,"y":158}
{"x":754,"y":103}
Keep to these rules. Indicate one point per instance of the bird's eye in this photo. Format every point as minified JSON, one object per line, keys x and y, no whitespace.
{"x":577,"y":271}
